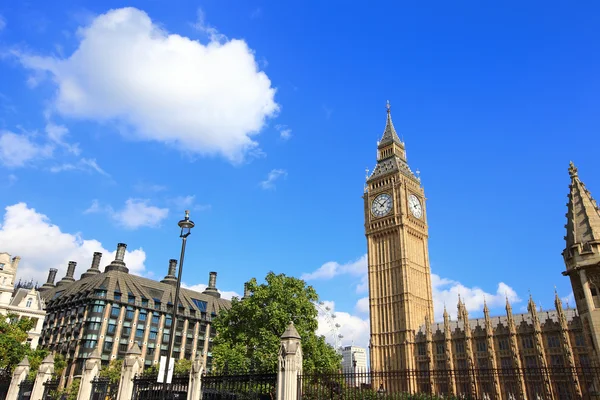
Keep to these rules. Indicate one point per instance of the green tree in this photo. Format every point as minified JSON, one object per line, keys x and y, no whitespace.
{"x":35,"y":358}
{"x":112,"y":371}
{"x":182,"y":367}
{"x":151,"y":370}
{"x":248,"y":334}
{"x":13,"y":336}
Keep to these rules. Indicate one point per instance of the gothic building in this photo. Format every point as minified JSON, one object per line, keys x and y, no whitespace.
{"x":22,"y":300}
{"x":108,"y":311}
{"x":513,"y":356}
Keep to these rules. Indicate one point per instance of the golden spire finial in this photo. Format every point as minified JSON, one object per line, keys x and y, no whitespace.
{"x":572,"y":170}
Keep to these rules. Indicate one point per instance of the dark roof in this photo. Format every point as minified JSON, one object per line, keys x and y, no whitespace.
{"x":140,"y":287}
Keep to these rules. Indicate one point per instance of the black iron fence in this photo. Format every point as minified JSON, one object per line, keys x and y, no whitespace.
{"x":252,"y":386}
{"x":5,"y":378}
{"x":486,"y":384}
{"x":147,"y":388}
{"x":51,"y":389}
{"x":103,"y":389}
{"x":25,"y":388}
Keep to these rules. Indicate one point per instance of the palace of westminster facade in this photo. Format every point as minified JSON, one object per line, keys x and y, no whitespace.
{"x":544,"y":354}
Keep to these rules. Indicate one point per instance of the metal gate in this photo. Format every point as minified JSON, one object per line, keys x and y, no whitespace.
{"x":50,"y":389}
{"x":5,"y":379}
{"x":146,"y":388}
{"x":103,"y":389}
{"x":25,"y":389}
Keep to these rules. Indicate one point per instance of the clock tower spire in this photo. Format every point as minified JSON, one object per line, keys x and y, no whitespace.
{"x":400,"y":298}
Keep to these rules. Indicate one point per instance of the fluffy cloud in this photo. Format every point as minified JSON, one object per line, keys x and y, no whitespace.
{"x":136,"y":213}
{"x":201,"y":286}
{"x":352,"y":328}
{"x":25,"y":232}
{"x":18,"y":150}
{"x":272,"y":177}
{"x":445,"y":291}
{"x":202,"y":99}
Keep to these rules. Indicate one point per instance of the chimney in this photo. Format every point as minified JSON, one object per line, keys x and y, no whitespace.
{"x":211,"y":290}
{"x":171,"y":278}
{"x":95,"y":268}
{"x":50,"y":282}
{"x":15,"y":262}
{"x":118,"y":264}
{"x":246,"y":291}
{"x":68,"y":278}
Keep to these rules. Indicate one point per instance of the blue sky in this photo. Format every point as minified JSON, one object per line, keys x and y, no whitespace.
{"x":261,"y":117}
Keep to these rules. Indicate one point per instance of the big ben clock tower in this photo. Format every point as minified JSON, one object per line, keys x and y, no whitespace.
{"x":400,"y":298}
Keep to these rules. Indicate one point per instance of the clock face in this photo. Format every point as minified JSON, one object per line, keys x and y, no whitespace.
{"x":415,"y":206}
{"x":382,"y":205}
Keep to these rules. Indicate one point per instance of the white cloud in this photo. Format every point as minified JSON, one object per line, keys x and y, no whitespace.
{"x":84,"y":164}
{"x":201,"y":286}
{"x":362,"y":305}
{"x":136,"y":213}
{"x":203,"y":99}
{"x":445,"y":291}
{"x":57,"y":133}
{"x":188,"y":203}
{"x":353,"y":329}
{"x":272,"y":177}
{"x":285,"y":133}
{"x":18,"y":150}
{"x":42,"y":245}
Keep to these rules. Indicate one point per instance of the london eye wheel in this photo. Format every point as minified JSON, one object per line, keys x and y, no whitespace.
{"x":333,"y":335}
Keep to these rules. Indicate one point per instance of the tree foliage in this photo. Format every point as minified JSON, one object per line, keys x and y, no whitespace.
{"x":248,"y":334}
{"x":182,"y":367}
{"x":112,"y":371}
{"x":13,"y":336}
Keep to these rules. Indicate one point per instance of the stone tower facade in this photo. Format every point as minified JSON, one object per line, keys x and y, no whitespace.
{"x":400,"y":298}
{"x":582,"y":256}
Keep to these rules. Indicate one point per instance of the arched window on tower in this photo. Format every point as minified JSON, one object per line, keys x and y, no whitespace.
{"x":594,"y":291}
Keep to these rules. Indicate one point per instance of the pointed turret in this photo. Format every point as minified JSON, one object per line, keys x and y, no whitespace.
{"x":391,"y":154}
{"x":446,"y":316}
{"x":583,"y":220}
{"x":532,"y":308}
{"x":389,"y":133}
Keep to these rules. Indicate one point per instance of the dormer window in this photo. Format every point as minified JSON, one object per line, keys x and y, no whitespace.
{"x":29,"y":300}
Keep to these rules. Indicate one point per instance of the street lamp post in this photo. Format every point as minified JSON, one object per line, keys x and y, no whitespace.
{"x":186,"y":226}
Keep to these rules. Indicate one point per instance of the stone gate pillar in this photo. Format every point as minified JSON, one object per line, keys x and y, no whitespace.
{"x":195,"y":383}
{"x":132,"y":365}
{"x":289,"y":364}
{"x":91,"y":370}
{"x":44,"y":374}
{"x":18,"y":376}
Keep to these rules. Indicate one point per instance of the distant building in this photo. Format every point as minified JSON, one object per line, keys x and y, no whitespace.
{"x":113,"y":309}
{"x":24,"y":300}
{"x":354,"y":360}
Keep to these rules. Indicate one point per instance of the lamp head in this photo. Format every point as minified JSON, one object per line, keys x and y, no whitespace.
{"x":186,"y":225}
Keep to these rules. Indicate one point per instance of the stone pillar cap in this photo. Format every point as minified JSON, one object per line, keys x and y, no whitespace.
{"x":290,"y":332}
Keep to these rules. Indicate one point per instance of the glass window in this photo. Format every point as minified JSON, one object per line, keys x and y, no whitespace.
{"x":131,"y":299}
{"x":142,"y":316}
{"x":115,"y":311}
{"x":29,"y":301}
{"x":97,"y":308}
{"x":139,"y":333}
{"x":460,"y":347}
{"x":117,"y":296}
{"x":155,"y":319}
{"x":1,"y":266}
{"x":527,"y":342}
{"x":481,"y":345}
{"x":111,"y":328}
{"x":168,"y":321}
{"x":421,"y":349}
{"x":503,"y":344}
{"x":553,"y":341}
{"x":440,"y":348}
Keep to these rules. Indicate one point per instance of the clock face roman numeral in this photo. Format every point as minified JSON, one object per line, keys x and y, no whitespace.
{"x":381,"y":205}
{"x":414,"y":205}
